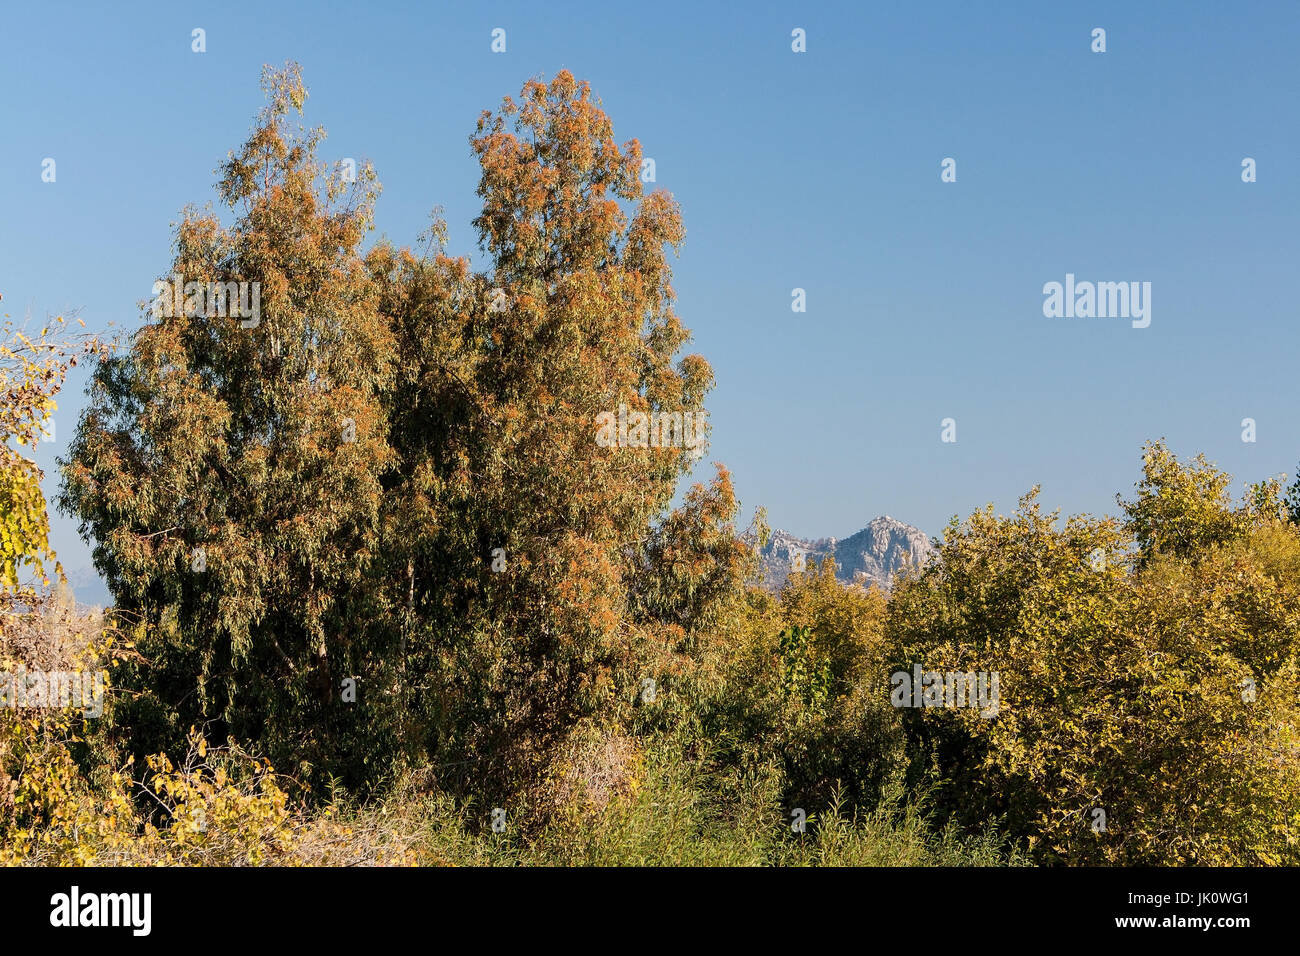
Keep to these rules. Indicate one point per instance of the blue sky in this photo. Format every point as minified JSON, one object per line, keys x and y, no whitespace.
{"x":818,"y":170}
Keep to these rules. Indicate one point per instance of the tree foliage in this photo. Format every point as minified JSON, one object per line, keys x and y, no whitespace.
{"x":1148,"y":708}
{"x":33,"y":366}
{"x":322,"y":497}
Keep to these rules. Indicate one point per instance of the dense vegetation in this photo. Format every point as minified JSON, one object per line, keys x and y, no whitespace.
{"x":381,"y":597}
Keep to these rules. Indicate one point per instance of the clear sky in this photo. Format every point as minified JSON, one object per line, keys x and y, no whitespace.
{"x":817,"y":170}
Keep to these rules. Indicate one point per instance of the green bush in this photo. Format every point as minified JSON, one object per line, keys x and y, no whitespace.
{"x":1159,"y":692}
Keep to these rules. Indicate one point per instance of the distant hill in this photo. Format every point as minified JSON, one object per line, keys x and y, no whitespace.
{"x":873,"y":555}
{"x":89,"y":588}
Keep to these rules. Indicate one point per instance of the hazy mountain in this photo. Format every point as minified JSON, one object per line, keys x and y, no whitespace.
{"x":88,"y":587}
{"x":871,"y":556}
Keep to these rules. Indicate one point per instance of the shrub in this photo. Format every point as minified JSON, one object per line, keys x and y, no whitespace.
{"x":1122,"y":687}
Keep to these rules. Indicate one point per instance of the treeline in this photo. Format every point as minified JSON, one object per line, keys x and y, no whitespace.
{"x":368,"y":535}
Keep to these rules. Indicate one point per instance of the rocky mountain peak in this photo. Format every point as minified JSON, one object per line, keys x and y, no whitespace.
{"x":873,"y":555}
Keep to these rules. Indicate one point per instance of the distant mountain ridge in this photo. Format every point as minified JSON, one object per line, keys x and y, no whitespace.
{"x":873,"y":555}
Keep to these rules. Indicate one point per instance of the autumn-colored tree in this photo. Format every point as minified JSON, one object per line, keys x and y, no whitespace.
{"x":228,"y":467}
{"x":527,"y":548}
{"x":392,"y":476}
{"x":40,"y":628}
{"x":33,"y":366}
